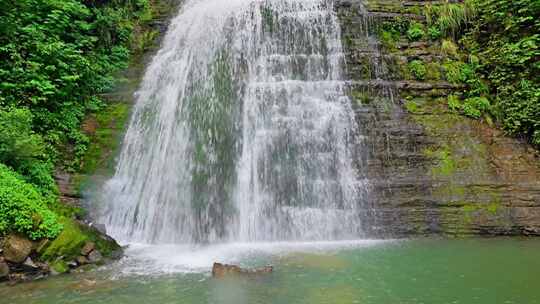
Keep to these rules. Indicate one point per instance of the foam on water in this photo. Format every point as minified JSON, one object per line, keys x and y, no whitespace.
{"x":145,"y":259}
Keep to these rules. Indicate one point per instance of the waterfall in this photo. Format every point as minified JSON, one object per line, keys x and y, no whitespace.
{"x":242,"y":131}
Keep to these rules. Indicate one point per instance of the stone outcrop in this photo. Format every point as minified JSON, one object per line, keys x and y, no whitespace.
{"x":224,"y":270}
{"x":432,"y":171}
{"x":16,"y":248}
{"x":77,"y":245}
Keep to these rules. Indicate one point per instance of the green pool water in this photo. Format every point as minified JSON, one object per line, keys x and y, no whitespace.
{"x":483,"y":271}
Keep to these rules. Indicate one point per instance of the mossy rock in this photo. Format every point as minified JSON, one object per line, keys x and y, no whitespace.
{"x":73,"y":237}
{"x":60,"y":267}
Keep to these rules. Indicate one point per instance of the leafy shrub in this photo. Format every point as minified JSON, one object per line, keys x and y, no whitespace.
{"x":415,"y":31}
{"x":474,"y":107}
{"x":506,"y":38}
{"x":417,"y":69}
{"x":56,"y":56}
{"x":434,"y":33}
{"x":23,"y":209}
{"x":398,"y":26}
{"x":24,"y":150}
{"x":18,"y":143}
{"x":453,"y":70}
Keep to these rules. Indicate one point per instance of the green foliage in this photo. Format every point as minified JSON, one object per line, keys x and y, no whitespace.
{"x":23,"y":209}
{"x":391,"y":31}
{"x":19,"y":145}
{"x":412,"y":107}
{"x":506,"y":38}
{"x":450,"y":18}
{"x":398,"y":26}
{"x":449,"y":48}
{"x":433,"y":71}
{"x":389,"y":39}
{"x":24,"y":150}
{"x":56,"y":58}
{"x":458,"y":72}
{"x":417,"y":69}
{"x":434,"y":33}
{"x":474,"y":107}
{"x":415,"y":31}
{"x":454,"y":103}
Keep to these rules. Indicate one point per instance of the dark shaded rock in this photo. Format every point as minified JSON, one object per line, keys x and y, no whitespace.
{"x":95,"y":256}
{"x":87,"y":248}
{"x":17,"y":248}
{"x":223,"y":270}
{"x":29,"y":264}
{"x":4,"y":269}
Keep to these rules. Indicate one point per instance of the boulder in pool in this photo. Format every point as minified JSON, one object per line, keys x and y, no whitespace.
{"x":224,"y":270}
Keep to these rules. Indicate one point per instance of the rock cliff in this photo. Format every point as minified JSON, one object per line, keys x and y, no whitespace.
{"x":432,"y":171}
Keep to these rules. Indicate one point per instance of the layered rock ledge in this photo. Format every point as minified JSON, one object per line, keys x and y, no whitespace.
{"x":432,"y":171}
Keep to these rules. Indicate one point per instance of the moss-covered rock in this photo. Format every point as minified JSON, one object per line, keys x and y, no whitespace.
{"x":72,"y":239}
{"x":59,"y":267}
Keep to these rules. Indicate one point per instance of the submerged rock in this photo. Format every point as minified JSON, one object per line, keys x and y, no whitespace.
{"x":223,"y":270}
{"x":17,"y":248}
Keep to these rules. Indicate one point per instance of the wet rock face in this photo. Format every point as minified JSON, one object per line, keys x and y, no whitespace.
{"x":432,"y":171}
{"x":16,"y":248}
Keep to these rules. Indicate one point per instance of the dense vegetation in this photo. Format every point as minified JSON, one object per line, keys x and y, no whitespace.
{"x":506,"y":36}
{"x":56,"y":58}
{"x":492,"y":47}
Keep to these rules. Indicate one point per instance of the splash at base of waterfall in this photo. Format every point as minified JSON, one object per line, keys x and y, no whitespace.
{"x":144,"y":259}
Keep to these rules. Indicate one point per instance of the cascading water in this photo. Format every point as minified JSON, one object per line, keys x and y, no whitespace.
{"x":242,"y":131}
